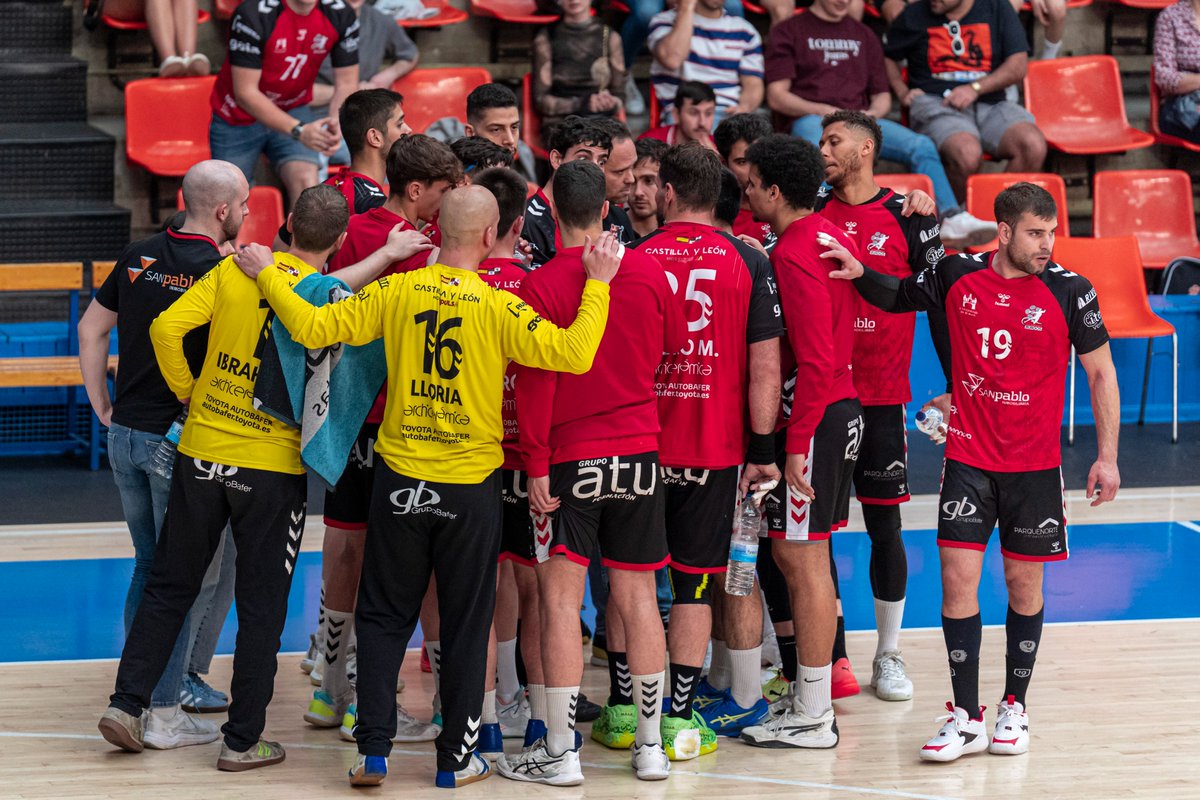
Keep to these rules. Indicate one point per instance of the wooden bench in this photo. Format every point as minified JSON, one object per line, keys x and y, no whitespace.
{"x":63,"y":371}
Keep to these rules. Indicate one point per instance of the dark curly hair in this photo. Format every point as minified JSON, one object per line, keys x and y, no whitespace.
{"x":748,"y":128}
{"x":574,"y":131}
{"x":794,"y":165}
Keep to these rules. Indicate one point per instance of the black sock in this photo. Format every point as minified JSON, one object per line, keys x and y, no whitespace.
{"x":1024,"y":637}
{"x":962,"y":643}
{"x":684,"y":680}
{"x":620,"y":684}
{"x":787,"y":656}
{"x":889,"y":562}
{"x":839,"y":640}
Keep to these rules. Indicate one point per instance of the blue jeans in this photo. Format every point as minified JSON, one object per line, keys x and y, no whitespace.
{"x":144,"y":502}
{"x":904,"y":146}
{"x":637,"y":24}
{"x":212,"y":606}
{"x":241,"y":145}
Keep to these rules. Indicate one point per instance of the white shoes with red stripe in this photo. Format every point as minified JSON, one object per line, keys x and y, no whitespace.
{"x":959,"y":736}
{"x":1011,"y":737}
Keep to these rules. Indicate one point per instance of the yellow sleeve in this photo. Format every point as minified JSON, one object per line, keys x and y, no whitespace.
{"x":533,"y":341}
{"x":356,"y":320}
{"x":193,"y":309}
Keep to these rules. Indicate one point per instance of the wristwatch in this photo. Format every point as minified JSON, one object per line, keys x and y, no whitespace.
{"x":296,"y":131}
{"x":976,"y":85}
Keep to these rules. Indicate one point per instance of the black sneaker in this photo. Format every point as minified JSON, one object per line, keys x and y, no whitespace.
{"x":587,"y":711}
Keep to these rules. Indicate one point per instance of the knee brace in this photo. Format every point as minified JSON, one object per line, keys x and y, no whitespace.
{"x":691,"y":587}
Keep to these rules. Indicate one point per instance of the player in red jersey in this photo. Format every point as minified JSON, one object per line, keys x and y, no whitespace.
{"x":590,"y":445}
{"x":260,"y":98}
{"x":820,"y":438}
{"x":643,"y":208}
{"x":733,"y":137}
{"x":724,"y":382}
{"x":697,"y":105}
{"x":1013,"y":317}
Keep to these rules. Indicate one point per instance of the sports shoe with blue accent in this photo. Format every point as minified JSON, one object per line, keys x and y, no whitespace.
{"x":197,"y":697}
{"x":476,"y":770}
{"x":324,"y":711}
{"x":491,"y":741}
{"x":727,"y":718}
{"x":535,"y":729}
{"x":368,"y":771}
{"x":707,"y":694}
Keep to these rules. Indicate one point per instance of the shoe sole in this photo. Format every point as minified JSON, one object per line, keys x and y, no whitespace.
{"x":936,"y":755}
{"x":843,"y":691}
{"x":322,"y":722}
{"x":555,"y":781}
{"x":1007,"y":750}
{"x":174,"y":742}
{"x":242,"y":766}
{"x":306,"y":667}
{"x":458,"y":783}
{"x":778,"y":744}
{"x":652,"y":775}
{"x":371,"y":779}
{"x":892,"y":698}
{"x":347,"y":735}
{"x":118,"y":735}
{"x":204,"y":709}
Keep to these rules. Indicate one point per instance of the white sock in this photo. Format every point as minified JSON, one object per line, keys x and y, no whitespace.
{"x":812,"y":690}
{"x":507,"y":682}
{"x":888,"y":616}
{"x":537,"y":701}
{"x":336,"y":634}
{"x":1050,"y":49}
{"x":561,"y":703}
{"x":489,"y":708}
{"x":164,"y":712}
{"x":718,"y":670}
{"x":648,"y":697}
{"x":745,"y":668}
{"x":435,"y":662}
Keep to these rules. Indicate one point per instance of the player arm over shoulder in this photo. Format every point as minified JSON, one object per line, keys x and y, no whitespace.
{"x":356,"y":320}
{"x":193,"y":309}
{"x":919,"y":292}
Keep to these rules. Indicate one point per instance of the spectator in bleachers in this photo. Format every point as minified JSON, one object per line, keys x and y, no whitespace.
{"x":1177,"y":69}
{"x":1052,"y":14}
{"x":696,"y":107}
{"x":172,"y":26}
{"x":494,"y":113}
{"x":260,"y":100}
{"x":643,"y":202}
{"x":733,"y":138}
{"x":700,"y":41}
{"x":476,"y":154}
{"x":578,"y":66}
{"x":962,"y":55}
{"x":824,"y":61}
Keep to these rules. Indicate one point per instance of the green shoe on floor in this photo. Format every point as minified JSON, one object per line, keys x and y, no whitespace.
{"x":616,"y":726}
{"x":685,"y":739}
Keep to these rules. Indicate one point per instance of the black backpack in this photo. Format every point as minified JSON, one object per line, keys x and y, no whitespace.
{"x":1182,"y":276}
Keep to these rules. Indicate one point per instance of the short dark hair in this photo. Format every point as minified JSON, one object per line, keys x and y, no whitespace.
{"x":748,"y":128}
{"x":509,"y":189}
{"x":488,"y":96}
{"x":364,"y":110}
{"x":729,"y":204}
{"x":579,"y":194}
{"x":615,"y":129}
{"x":650,"y":150}
{"x":417,"y":157}
{"x":319,"y":217}
{"x":1021,"y":198}
{"x":695,"y":91}
{"x":856,"y":119}
{"x":574,"y":131}
{"x":694,"y":171}
{"x":476,"y":153}
{"x":794,"y":165}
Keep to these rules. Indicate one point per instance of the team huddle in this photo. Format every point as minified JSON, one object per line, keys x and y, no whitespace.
{"x":505,"y":389}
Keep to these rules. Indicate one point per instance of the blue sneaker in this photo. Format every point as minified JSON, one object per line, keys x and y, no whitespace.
{"x":707,"y":694}
{"x":727,"y":718}
{"x":476,"y":770}
{"x":534,"y":729}
{"x":368,"y":771}
{"x":491,"y":741}
{"x":197,"y":697}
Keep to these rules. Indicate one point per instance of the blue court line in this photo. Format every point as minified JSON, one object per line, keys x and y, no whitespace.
{"x":61,"y":610}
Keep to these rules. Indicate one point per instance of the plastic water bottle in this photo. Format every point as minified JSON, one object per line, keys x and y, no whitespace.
{"x":743,"y":550}
{"x":928,"y":422}
{"x":162,"y":463}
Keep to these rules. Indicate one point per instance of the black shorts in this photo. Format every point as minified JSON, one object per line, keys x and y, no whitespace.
{"x":348,"y":505}
{"x":1029,"y":507}
{"x":616,"y":502}
{"x":829,"y":468}
{"x":516,"y":537}
{"x":700,"y":505}
{"x":881,"y":473}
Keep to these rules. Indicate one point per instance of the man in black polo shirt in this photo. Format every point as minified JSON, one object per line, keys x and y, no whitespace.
{"x":150,"y":276}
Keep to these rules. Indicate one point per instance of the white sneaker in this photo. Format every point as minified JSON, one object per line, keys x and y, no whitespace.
{"x":476,"y":770}
{"x":650,"y":762}
{"x":513,"y":717}
{"x":534,"y":764}
{"x":1011,"y":736}
{"x":964,"y":230}
{"x":411,"y":729}
{"x":634,"y":103}
{"x":889,"y":678}
{"x":179,"y":730}
{"x":959,"y":736}
{"x":791,"y":728}
{"x":310,"y":658}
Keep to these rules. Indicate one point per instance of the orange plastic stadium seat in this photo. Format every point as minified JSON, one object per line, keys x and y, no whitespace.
{"x":139,"y":24}
{"x":982,"y":191}
{"x":223,"y":9}
{"x":1159,"y":136}
{"x":905,"y":182}
{"x":517,"y":11}
{"x":447,"y":15}
{"x":531,"y":119}
{"x":1080,"y":107}
{"x":430,"y":94}
{"x":166,"y":123}
{"x":1155,"y":205}
{"x":265,"y":218}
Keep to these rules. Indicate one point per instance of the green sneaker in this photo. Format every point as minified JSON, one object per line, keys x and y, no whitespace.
{"x":263,"y":754}
{"x":776,"y":687}
{"x":616,"y":726}
{"x":685,"y":739}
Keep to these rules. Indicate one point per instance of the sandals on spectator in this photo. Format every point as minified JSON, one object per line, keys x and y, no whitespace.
{"x":198,"y":64}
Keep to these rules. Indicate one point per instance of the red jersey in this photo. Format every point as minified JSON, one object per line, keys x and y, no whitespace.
{"x":1010,"y":341}
{"x":289,"y":48}
{"x":730,"y":301}
{"x":611,"y":410}
{"x":747,"y":225}
{"x":362,"y":194}
{"x":894,"y":245}
{"x":819,"y":314}
{"x":664,"y":133}
{"x":507,"y":274}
